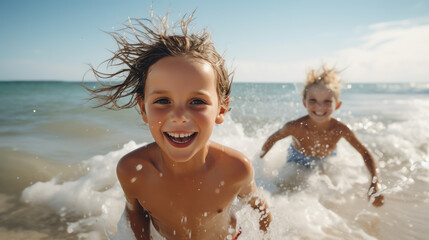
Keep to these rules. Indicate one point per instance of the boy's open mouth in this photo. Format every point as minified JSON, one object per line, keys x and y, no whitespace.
{"x":180,"y":138}
{"x":319,"y":114}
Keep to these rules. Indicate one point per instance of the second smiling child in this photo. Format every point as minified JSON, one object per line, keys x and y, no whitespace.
{"x":315,"y":136}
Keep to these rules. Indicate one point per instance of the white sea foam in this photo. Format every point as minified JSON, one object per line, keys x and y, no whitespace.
{"x":95,"y":199}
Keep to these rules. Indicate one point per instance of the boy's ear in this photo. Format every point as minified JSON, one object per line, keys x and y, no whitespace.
{"x":303,"y":102}
{"x":222,"y":111}
{"x":140,"y":102}
{"x":338,"y":105}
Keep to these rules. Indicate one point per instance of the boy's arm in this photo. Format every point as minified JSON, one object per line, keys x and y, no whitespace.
{"x":137,"y":216}
{"x":258,"y":203}
{"x":369,"y":163}
{"x":280,"y":134}
{"x":139,"y":219}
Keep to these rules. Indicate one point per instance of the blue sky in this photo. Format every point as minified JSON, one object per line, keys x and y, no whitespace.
{"x":264,"y":41}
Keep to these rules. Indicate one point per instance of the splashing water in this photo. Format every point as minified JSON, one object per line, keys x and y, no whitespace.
{"x":327,"y":202}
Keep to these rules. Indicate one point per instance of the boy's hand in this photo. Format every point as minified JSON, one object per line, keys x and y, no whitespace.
{"x":378,"y":199}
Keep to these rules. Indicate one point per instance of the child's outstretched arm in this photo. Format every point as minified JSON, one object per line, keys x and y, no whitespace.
{"x":280,"y":134}
{"x":370,"y":164}
{"x":258,"y":203}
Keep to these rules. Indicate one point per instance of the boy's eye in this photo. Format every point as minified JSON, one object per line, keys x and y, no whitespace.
{"x":197,"y":102}
{"x":312,"y":101}
{"x":162,"y":101}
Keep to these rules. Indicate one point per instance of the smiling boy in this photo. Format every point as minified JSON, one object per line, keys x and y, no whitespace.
{"x":182,"y":185}
{"x":315,"y":136}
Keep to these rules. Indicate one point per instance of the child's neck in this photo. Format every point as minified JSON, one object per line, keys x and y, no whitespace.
{"x":319,"y":126}
{"x":193,"y":165}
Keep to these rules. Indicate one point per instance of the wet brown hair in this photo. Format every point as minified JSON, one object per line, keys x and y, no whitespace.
{"x":324,"y":76}
{"x":152,"y":40}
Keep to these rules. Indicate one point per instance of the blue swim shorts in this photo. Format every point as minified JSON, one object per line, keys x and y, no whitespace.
{"x":295,"y":156}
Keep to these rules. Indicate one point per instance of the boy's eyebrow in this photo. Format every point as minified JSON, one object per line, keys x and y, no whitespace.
{"x":199,"y":92}
{"x":158,"y":92}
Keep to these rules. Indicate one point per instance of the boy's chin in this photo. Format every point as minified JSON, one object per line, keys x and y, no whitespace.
{"x":320,"y":119}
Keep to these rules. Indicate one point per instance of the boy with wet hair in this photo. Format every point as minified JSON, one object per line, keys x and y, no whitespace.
{"x":315,"y":136}
{"x":182,"y":185}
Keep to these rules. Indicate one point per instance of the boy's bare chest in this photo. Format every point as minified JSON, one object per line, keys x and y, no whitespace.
{"x":317,"y":143}
{"x":187,"y":202}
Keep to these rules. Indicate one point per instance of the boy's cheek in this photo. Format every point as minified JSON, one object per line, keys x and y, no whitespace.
{"x":154,"y":115}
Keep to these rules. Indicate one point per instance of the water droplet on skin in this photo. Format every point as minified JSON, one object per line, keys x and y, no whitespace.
{"x":160,"y":174}
{"x":205,"y":214}
{"x":174,"y":232}
{"x":133,"y":179}
{"x":139,"y":167}
{"x":217,"y":190}
{"x":222,"y":183}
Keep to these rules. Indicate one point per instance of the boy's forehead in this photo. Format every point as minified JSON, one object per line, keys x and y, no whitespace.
{"x":320,"y":90}
{"x":183,"y":70}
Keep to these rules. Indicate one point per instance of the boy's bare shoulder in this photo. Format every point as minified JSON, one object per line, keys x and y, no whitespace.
{"x":231,"y":160}
{"x":297,"y":124}
{"x":340,"y":127}
{"x":138,"y":159}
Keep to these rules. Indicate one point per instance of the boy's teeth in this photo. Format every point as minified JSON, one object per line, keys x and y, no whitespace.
{"x":181,"y":135}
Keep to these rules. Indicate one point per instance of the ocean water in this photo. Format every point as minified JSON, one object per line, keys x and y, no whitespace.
{"x":58,"y":157}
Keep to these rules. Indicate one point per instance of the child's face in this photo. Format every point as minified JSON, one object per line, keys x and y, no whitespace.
{"x":181,"y":105}
{"x":320,"y":103}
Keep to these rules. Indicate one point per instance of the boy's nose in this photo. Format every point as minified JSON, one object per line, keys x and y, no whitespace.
{"x":179,"y":115}
{"x":320,"y":105}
